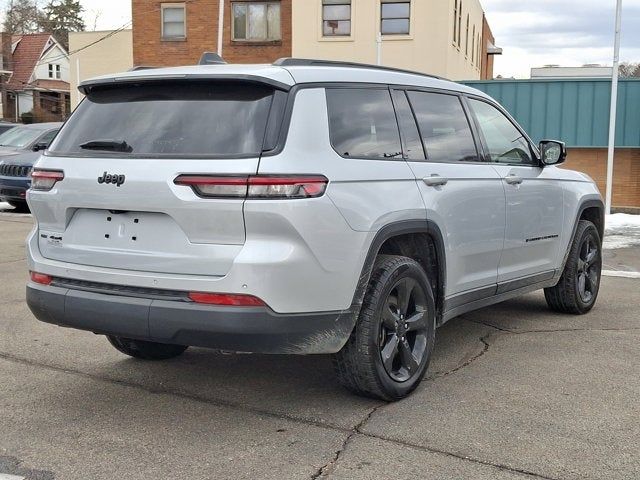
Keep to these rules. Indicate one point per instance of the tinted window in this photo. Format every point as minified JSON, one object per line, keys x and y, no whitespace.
{"x":444,"y":127}
{"x":171,"y":119}
{"x":362,"y":123}
{"x":410,"y":135}
{"x":505,"y":142}
{"x":47,"y":137}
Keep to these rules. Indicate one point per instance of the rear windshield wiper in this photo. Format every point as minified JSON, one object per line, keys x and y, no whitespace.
{"x":111,"y":145}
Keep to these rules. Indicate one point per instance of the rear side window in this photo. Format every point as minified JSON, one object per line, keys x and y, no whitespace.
{"x":169,"y":119}
{"x":444,"y":127}
{"x":362,"y":123}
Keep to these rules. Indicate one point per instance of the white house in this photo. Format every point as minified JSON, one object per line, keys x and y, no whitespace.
{"x":38,"y":86}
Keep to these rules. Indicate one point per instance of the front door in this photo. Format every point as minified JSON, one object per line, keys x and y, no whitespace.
{"x":534,"y":200}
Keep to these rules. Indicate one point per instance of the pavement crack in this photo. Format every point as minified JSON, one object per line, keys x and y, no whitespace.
{"x":328,"y":467}
{"x":459,"y":456}
{"x":177,"y":393}
{"x":13,"y":261}
{"x":552,"y":330}
{"x":485,"y":349}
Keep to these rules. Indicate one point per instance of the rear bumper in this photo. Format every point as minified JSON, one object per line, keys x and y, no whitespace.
{"x":243,"y":329}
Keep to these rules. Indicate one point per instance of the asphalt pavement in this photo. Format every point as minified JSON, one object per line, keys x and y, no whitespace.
{"x":514,"y":391}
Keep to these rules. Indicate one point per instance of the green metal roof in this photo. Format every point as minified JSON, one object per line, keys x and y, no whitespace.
{"x":575,"y":111}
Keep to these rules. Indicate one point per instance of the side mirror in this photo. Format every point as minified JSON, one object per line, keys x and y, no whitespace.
{"x":552,"y":152}
{"x":40,"y":146}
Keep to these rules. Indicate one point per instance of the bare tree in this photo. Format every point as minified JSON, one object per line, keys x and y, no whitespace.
{"x":630,"y":70}
{"x":22,"y":16}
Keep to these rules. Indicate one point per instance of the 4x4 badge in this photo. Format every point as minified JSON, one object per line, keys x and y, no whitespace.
{"x":111,"y":178}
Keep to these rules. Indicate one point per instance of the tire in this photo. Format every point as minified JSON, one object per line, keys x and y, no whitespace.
{"x":380,"y":329}
{"x":21,"y":207}
{"x":145,"y":350}
{"x":578,"y":288}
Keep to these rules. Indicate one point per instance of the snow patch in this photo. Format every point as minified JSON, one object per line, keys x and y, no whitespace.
{"x":622,"y":230}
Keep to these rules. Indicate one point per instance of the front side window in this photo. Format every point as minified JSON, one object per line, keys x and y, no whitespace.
{"x":444,"y":127}
{"x":395,"y":17}
{"x":171,"y":119}
{"x":256,"y":21}
{"x":505,"y":142}
{"x":173,"y":21}
{"x":362,"y":123}
{"x":336,"y":18}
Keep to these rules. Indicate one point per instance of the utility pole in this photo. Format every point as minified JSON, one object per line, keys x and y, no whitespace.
{"x":220,"y":25}
{"x":614,"y":107}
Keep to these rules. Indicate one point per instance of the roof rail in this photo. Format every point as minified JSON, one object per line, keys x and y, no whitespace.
{"x":308,"y":62}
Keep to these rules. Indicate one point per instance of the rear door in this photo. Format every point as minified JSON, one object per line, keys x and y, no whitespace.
{"x":118,"y":205}
{"x":462,"y":194}
{"x":534,"y":200}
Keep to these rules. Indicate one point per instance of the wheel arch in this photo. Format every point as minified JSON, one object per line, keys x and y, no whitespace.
{"x":591,"y":209}
{"x":404,"y":238}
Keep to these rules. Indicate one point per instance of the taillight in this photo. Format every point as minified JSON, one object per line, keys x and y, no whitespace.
{"x":40,"y":278}
{"x":256,"y":186}
{"x":44,"y":180}
{"x":226,"y":299}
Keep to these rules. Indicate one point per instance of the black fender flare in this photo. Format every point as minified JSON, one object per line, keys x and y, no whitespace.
{"x":397,"y":229}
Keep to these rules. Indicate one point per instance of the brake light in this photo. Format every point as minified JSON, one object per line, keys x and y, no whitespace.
{"x":226,"y":299}
{"x":44,"y":180}
{"x":40,"y":278}
{"x":256,"y":186}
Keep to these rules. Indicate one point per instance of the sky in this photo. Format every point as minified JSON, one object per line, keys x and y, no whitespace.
{"x":532,"y":33}
{"x":560,"y":32}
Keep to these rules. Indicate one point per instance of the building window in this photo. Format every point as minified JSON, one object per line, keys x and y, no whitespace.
{"x":336,"y":18}
{"x":173,"y":21}
{"x":54,"y":71}
{"x":466,"y":43}
{"x":473,"y":46}
{"x":455,"y":22}
{"x":395,"y":17}
{"x":460,"y":23}
{"x":256,"y":21}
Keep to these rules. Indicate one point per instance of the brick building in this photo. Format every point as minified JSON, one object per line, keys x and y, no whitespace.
{"x":177,"y":33}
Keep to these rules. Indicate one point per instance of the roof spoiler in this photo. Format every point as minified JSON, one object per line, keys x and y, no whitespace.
{"x":211,"y":58}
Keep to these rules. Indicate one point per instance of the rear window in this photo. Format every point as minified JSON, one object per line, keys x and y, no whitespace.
{"x":170,"y":119}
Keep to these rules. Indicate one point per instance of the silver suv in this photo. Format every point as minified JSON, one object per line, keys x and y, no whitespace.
{"x":304,"y":207}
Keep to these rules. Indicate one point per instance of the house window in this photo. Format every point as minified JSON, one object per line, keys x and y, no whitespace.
{"x":54,"y":71}
{"x":256,"y":21}
{"x":173,"y":21}
{"x":336,"y":18}
{"x":395,"y":16}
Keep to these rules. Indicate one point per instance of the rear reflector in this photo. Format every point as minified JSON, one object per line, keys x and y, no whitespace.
{"x":256,"y":186}
{"x":41,"y":278}
{"x":226,"y":299}
{"x":44,"y":180}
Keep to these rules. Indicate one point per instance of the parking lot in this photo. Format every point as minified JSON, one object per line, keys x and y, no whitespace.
{"x":514,"y":391}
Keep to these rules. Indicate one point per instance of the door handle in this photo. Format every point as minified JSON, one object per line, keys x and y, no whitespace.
{"x":513,"y":179}
{"x":435,"y":180}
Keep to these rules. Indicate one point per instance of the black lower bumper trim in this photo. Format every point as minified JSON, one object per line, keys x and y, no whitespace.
{"x":257,"y":330}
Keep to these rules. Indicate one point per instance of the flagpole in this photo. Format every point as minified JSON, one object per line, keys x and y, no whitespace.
{"x":614,"y":107}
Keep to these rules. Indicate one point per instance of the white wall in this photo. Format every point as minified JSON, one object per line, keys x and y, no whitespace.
{"x":109,"y":55}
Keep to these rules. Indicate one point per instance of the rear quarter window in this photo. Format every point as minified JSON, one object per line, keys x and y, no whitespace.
{"x":173,"y":119}
{"x":362,"y":123}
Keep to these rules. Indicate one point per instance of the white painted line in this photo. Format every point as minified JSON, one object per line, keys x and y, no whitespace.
{"x":615,"y":273}
{"x":6,"y":476}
